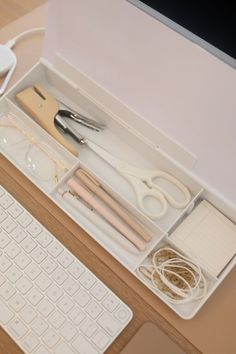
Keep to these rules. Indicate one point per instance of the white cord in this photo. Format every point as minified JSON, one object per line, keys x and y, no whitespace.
{"x":161,"y":269}
{"x":8,"y":59}
{"x":12,"y":42}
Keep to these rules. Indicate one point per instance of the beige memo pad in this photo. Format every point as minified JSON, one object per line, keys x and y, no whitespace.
{"x":151,"y":340}
{"x":208,"y":236}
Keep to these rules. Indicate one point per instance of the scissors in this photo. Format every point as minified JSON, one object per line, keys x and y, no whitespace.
{"x":142,"y":182}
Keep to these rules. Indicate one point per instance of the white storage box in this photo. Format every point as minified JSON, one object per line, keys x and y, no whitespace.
{"x":128,"y":135}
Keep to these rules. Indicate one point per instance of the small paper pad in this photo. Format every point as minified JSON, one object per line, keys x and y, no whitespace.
{"x":208,"y":236}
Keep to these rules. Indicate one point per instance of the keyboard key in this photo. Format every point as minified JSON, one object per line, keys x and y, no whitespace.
{"x":44,"y":239}
{"x":33,"y":271}
{"x":39,"y":326}
{"x":57,"y":319}
{"x":18,"y":234}
{"x":76,"y":270}
{"x":30,"y":342}
{"x":83,"y":346}
{"x":4,"y":240}
{"x":3,"y":215}
{"x":24,"y":219}
{"x":38,"y":254}
{"x":6,"y":291}
{"x":24,"y":285}
{"x":68,"y":331}
{"x":27,"y":314}
{"x":34,"y":229}
{"x":50,"y":338}
{"x":54,"y":293}
{"x":5,"y":313}
{"x":43,"y":281}
{"x":77,"y":316}
{"x":9,"y":225}
{"x":17,"y":328}
{"x":65,"y":259}
{"x":65,"y":304}
{"x":60,"y":276}
{"x":6,"y":201}
{"x":28,"y":244}
{"x":123,"y":314}
{"x":2,"y":279}
{"x":110,"y":303}
{"x":109,"y":324}
{"x":4,"y":263}
{"x":101,"y":340}
{"x":93,"y":309}
{"x":70,"y":286}
{"x":49,"y":265}
{"x":15,"y":210}
{"x":88,"y":327}
{"x":13,"y":274}
{"x":22,"y":260}
{"x":45,"y":307}
{"x":82,"y":298}
{"x":99,"y":291}
{"x":17,"y":302}
{"x":34,"y":296}
{"x":12,"y":250}
{"x":54,"y":249}
{"x":87,"y":280}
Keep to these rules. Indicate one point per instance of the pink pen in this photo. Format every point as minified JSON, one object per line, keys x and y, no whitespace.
{"x":115,"y":221}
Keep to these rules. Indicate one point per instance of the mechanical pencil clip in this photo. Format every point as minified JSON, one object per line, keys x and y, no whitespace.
{"x":107,"y":214}
{"x":96,"y":188}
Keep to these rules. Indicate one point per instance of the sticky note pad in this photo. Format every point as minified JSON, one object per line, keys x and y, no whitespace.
{"x":208,"y":236}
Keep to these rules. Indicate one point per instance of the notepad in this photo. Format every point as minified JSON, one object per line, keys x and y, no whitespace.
{"x":208,"y":236}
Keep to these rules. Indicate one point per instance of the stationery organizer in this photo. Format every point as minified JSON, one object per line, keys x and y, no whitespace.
{"x":49,"y":165}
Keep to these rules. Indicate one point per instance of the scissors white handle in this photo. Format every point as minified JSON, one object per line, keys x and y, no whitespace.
{"x":142,"y":192}
{"x":173,"y":202}
{"x":137,"y":176}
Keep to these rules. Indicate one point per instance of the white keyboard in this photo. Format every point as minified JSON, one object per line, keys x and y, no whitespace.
{"x":49,"y":301}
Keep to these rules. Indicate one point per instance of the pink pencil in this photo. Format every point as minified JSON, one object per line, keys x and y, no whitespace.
{"x":115,"y":221}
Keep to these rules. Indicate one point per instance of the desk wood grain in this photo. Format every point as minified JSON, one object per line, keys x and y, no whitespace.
{"x":10,"y":10}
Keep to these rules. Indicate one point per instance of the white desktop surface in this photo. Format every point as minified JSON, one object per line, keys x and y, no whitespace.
{"x":173,"y":83}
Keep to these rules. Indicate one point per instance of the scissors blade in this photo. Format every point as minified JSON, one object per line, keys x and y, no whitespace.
{"x":109,"y":158}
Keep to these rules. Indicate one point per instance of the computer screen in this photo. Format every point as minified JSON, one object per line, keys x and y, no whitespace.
{"x":215,"y":22}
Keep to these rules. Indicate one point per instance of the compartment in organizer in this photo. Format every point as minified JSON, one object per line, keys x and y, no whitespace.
{"x":119,"y":139}
{"x":30,"y":148}
{"x":185,"y":310}
{"x":99,"y":228}
{"x":208,"y":236}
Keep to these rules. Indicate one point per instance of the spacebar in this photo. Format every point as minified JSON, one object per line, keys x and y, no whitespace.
{"x":5,"y":313}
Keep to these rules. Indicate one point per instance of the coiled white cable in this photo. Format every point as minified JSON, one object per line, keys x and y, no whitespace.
{"x":166,"y":274}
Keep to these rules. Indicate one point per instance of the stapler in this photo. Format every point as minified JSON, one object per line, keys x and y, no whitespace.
{"x":45,"y":110}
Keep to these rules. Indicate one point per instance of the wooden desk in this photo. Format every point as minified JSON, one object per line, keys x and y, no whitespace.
{"x":212,"y":331}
